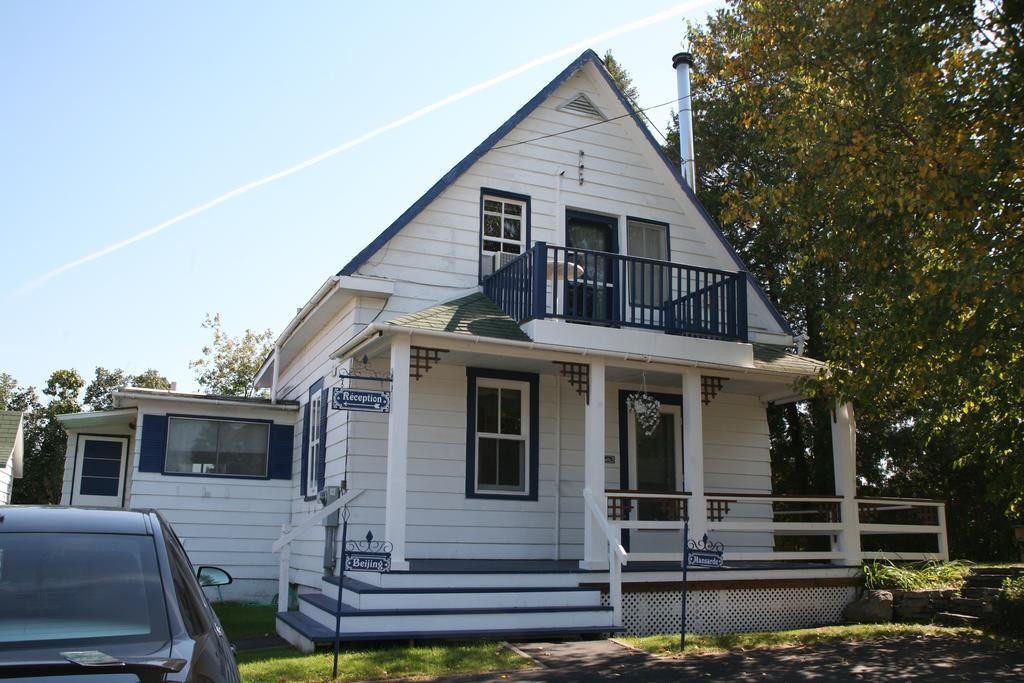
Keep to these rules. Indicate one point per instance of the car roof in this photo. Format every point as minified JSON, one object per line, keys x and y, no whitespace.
{"x":55,"y":519}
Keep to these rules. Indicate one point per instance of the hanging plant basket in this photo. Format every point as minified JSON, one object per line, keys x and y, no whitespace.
{"x":647,"y":410}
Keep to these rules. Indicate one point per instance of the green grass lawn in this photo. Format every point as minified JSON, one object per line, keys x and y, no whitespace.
{"x":285,"y":664}
{"x":668,"y":645}
{"x":245,"y":620}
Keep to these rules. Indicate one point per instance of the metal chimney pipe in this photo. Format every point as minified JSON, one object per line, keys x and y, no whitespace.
{"x":682,"y":62}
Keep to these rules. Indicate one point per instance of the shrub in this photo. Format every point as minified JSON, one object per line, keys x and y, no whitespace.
{"x":915,"y":576}
{"x":1010,"y":605}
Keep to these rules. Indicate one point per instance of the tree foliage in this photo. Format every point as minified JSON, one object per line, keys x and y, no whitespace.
{"x":621,"y":77}
{"x":866,"y":159}
{"x":98,"y":395}
{"x":229,"y":364}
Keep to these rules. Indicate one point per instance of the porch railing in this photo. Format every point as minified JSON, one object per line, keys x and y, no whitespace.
{"x":595,"y":287}
{"x":288,"y":534}
{"x":798,"y":528}
{"x":617,"y":555}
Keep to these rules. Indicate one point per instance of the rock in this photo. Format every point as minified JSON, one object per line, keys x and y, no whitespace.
{"x":874,"y":607}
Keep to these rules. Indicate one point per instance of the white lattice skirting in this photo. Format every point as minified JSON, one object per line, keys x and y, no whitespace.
{"x":733,"y":610}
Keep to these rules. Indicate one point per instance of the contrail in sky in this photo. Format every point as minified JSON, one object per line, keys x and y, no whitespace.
{"x":671,"y":12}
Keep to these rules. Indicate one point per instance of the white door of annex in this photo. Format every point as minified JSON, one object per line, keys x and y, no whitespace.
{"x":656,"y":466}
{"x":100,"y":471}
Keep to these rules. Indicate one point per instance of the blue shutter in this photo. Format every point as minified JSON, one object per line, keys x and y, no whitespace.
{"x":153,"y":444}
{"x":321,"y":463}
{"x":305,"y":449}
{"x":282,"y":444}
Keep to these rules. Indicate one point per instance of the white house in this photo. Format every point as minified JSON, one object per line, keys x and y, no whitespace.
{"x":11,"y":451}
{"x":564,"y":266}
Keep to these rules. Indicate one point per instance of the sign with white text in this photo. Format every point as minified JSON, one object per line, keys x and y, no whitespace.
{"x":367,"y":562}
{"x":366,"y":400}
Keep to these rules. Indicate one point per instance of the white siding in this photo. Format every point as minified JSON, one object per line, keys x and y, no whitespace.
{"x":436,"y":254}
{"x":6,"y":480}
{"x":227,"y":522}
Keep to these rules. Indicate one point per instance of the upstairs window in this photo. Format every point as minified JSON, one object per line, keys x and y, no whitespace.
{"x":504,"y":230}
{"x":203,"y":446}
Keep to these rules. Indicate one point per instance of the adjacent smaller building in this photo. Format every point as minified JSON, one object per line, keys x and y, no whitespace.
{"x":12,"y":447}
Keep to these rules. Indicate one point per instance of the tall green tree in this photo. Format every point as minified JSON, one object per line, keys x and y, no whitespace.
{"x":98,"y":395}
{"x":46,"y":440}
{"x":229,"y":364}
{"x":866,"y":158}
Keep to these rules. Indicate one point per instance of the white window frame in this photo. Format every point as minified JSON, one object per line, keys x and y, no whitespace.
{"x":312,"y":455}
{"x":523,"y":436}
{"x":502,"y":240}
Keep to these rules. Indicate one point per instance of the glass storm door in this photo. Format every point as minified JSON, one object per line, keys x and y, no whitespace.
{"x":592,"y":295}
{"x":100,"y":471}
{"x":656,"y":466}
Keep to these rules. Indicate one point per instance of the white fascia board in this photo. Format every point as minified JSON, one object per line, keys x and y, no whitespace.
{"x":96,"y":418}
{"x":120,"y":397}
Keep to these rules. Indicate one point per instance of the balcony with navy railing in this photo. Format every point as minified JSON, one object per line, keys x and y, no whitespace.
{"x":600,"y":288}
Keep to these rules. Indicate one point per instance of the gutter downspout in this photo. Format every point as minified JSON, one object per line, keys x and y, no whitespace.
{"x":277,"y":374}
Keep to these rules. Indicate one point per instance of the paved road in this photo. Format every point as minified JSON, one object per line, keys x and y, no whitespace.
{"x":894,"y":659}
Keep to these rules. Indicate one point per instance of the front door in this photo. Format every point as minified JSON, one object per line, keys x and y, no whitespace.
{"x":100,"y":471}
{"x":656,"y":466}
{"x":590,"y":295}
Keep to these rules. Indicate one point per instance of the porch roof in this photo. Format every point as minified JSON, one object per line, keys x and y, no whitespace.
{"x":778,"y":359}
{"x":473,"y":315}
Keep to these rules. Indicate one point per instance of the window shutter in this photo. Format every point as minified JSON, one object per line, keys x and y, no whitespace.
{"x":282,"y":443}
{"x":321,"y":463}
{"x":153,"y":445}
{"x":303,"y":458}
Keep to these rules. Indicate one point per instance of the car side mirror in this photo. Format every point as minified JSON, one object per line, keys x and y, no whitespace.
{"x":213,"y":576}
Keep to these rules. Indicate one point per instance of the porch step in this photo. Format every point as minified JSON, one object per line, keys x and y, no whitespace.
{"x":364,"y":596}
{"x":323,"y":609}
{"x":306,"y":633}
{"x":472,"y":579}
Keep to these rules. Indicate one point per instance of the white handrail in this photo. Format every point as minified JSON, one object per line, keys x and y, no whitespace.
{"x":602,"y":522}
{"x":323,"y":512}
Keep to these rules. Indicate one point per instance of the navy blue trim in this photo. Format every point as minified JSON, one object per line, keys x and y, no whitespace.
{"x":321,"y":462}
{"x":303,"y":460}
{"x":485,"y":146}
{"x":214,"y":418}
{"x":664,"y":399}
{"x":313,"y":388}
{"x":153,"y":445}
{"x":504,"y":194}
{"x":282,"y":446}
{"x":356,"y":586}
{"x":533,"y":379}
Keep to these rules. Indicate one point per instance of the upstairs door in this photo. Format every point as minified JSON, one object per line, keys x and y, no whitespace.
{"x":648,"y":277}
{"x":590,"y":292}
{"x":100,"y":471}
{"x":656,"y":466}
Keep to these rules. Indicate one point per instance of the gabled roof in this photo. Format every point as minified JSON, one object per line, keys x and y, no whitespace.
{"x":448,"y":178}
{"x":474,"y":315}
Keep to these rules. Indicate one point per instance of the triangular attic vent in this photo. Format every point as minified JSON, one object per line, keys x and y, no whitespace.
{"x":581,"y":104}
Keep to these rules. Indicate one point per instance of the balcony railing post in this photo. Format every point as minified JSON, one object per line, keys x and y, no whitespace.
{"x":741,"y":305}
{"x":540,"y":269}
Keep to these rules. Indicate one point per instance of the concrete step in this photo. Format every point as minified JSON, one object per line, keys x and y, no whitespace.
{"x":364,"y":596}
{"x":998,"y":571}
{"x":953,"y":619}
{"x":982,"y":593}
{"x":305,"y":633}
{"x":974,"y":606}
{"x":471,"y":579}
{"x":322,"y":609}
{"x":985,"y":581}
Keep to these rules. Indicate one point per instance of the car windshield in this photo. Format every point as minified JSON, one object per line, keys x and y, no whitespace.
{"x":79,"y":589}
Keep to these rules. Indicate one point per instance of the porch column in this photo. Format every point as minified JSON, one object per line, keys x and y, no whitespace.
{"x":398,"y":452}
{"x":595,"y":545}
{"x":844,"y":458}
{"x":693,"y":453}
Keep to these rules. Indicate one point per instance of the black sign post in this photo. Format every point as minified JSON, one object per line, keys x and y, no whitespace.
{"x":704,"y":553}
{"x":357,"y":556}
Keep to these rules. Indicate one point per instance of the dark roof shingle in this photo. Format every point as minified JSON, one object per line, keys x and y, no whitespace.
{"x":474,"y":315}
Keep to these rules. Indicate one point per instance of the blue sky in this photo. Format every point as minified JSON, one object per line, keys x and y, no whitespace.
{"x":118,"y":116}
